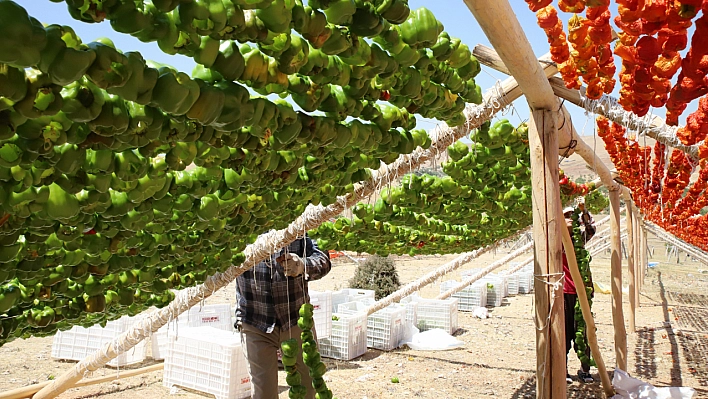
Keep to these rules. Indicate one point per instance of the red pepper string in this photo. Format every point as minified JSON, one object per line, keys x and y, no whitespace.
{"x":696,"y":128}
{"x":547,"y":18}
{"x":691,"y":81}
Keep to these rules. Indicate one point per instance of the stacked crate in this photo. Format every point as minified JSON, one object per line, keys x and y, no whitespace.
{"x":208,"y":360}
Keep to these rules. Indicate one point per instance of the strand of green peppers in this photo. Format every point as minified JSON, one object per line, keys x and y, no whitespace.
{"x":135,"y":81}
{"x":476,"y":224}
{"x":584,"y":258}
{"x":596,"y":201}
{"x":310,"y":355}
{"x":262,"y":74}
{"x":85,"y":102}
{"x":384,"y":238}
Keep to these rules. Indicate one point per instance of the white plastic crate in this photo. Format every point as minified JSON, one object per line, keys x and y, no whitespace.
{"x":384,"y":328}
{"x":216,"y":315}
{"x":495,"y":291}
{"x":435,"y":313}
{"x":348,"y":338}
{"x":322,"y":304}
{"x":208,"y":360}
{"x":79,"y":342}
{"x":525,"y":281}
{"x":411,"y":312}
{"x":513,"y":284}
{"x":350,"y":295}
{"x":471,"y":297}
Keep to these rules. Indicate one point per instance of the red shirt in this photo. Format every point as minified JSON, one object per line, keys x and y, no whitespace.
{"x":568,"y":284}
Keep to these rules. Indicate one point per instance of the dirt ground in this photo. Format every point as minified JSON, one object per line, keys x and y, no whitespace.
{"x":670,"y":347}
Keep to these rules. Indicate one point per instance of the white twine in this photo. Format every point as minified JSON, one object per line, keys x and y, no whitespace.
{"x":647,"y":125}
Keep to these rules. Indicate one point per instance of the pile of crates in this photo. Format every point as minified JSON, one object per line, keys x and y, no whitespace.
{"x":347,"y":340}
{"x":384,"y":328}
{"x":79,"y":342}
{"x":469,"y":298}
{"x":208,"y":360}
{"x":217,"y":316}
{"x":495,"y":290}
{"x":322,"y":314}
{"x":435,"y":313}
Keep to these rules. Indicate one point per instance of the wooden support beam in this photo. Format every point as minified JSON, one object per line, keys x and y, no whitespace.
{"x":587,"y":313}
{"x":637,"y":255}
{"x":548,"y":267}
{"x":615,"y":113}
{"x":502,"y":28}
{"x":645,"y":257}
{"x":616,"y":271}
{"x":28,"y":391}
{"x":631,"y":265}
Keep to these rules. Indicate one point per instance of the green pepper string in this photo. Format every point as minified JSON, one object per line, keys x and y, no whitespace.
{"x":583,"y":258}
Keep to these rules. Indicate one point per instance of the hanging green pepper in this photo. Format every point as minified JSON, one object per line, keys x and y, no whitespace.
{"x":113,"y":119}
{"x":256,"y":70}
{"x":421,"y":29}
{"x":110,"y":69}
{"x":65,"y":59}
{"x":236,"y":106}
{"x":83,"y":101}
{"x":460,"y":55}
{"x":209,"y":104}
{"x":229,"y":62}
{"x":339,"y":41}
{"x":24,"y":37}
{"x":277,"y":15}
{"x":43,"y":98}
{"x":395,"y":11}
{"x":175,"y":93}
{"x":338,"y":12}
{"x":202,"y":17}
{"x":130,"y":17}
{"x":294,"y":57}
{"x":13,"y":85}
{"x":139,"y":87}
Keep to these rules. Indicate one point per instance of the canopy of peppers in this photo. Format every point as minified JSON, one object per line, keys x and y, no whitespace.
{"x":121,"y":178}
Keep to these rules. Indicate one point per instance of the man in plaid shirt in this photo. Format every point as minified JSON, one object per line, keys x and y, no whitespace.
{"x":268,"y":298}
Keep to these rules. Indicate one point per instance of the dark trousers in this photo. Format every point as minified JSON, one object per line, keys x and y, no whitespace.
{"x":571,"y":326}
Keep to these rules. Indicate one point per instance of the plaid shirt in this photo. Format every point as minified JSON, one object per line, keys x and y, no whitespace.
{"x":267,"y":298}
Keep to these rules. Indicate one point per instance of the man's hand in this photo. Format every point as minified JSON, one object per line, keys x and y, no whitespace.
{"x":292,"y":264}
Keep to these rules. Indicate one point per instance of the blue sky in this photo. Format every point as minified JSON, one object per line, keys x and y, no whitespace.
{"x":457,"y":19}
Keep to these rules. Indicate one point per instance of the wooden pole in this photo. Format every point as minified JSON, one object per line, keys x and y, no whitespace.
{"x":587,"y":313}
{"x":548,"y":267}
{"x":645,"y":256}
{"x":616,"y":265}
{"x":631,"y":266}
{"x":637,"y":256}
{"x":28,"y":391}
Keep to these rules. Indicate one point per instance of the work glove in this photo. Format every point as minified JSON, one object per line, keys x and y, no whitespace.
{"x":293,"y":265}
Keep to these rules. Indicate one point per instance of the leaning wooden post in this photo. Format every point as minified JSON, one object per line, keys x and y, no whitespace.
{"x":645,"y":256}
{"x":631,"y":266}
{"x":616,"y":265}
{"x":548,"y":266}
{"x":587,"y":313}
{"x":637,"y":257}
